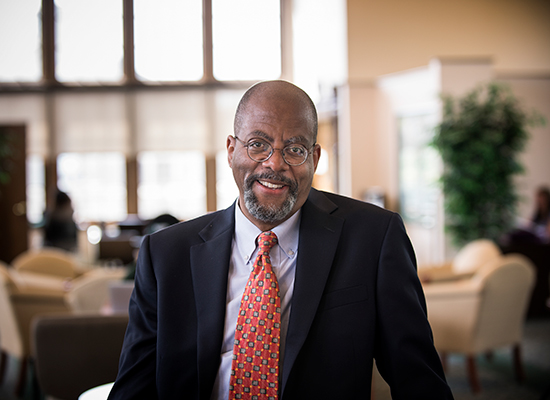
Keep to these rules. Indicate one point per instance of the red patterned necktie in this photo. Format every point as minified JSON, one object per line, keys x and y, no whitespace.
{"x":255,"y":366}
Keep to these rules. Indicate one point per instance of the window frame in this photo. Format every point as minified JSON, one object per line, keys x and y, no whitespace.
{"x":49,"y":86}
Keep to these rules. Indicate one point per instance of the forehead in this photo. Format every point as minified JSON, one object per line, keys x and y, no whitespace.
{"x":272,"y":118}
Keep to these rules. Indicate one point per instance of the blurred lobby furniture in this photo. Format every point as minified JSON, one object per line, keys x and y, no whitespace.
{"x":122,"y":247}
{"x":74,"y":353}
{"x":119,"y":248}
{"x":17,"y":308}
{"x":539,"y":254}
{"x":26,"y":294}
{"x":118,"y":243}
{"x":89,"y":292}
{"x":119,"y":295}
{"x":97,"y":393}
{"x":47,"y":261}
{"x":483,"y":313}
{"x":467,"y":261}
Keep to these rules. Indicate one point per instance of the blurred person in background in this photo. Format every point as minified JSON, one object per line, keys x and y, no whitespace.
{"x":537,"y":229}
{"x":541,"y":216}
{"x":59,"y":227}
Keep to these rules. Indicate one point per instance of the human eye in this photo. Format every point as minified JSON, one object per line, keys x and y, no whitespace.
{"x":258,"y":146}
{"x":295,"y":150}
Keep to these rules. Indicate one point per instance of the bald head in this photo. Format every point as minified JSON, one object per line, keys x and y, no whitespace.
{"x":281,"y":90}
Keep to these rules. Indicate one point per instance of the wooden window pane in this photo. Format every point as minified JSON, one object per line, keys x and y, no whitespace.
{"x":89,"y":40}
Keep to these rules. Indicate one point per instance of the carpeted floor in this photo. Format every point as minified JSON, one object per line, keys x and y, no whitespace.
{"x":497,"y":376}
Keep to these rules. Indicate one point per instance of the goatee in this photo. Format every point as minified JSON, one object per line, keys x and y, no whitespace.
{"x":269,"y":213}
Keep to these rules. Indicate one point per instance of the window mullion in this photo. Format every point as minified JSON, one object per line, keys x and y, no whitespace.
{"x":48,"y":42}
{"x":128,"y":26}
{"x":207,"y":41}
{"x":286,"y":40}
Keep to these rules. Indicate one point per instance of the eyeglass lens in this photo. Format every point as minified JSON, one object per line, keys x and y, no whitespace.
{"x":260,"y":150}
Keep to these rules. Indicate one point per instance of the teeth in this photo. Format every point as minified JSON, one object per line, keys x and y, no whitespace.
{"x":271,"y":185}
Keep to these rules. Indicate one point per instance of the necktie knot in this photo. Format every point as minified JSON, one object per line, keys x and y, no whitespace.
{"x":266,"y":240}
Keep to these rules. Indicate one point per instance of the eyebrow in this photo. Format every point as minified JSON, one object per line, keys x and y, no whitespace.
{"x":300,"y":139}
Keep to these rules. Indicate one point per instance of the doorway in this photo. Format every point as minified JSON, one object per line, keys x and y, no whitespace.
{"x":13,"y":214}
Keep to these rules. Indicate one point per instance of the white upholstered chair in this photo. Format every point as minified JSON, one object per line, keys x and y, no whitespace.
{"x":466,"y":262}
{"x":89,"y":293}
{"x":47,"y":261}
{"x":483,"y":313}
{"x":18,"y":306}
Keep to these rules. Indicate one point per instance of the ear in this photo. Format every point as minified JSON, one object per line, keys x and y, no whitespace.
{"x":316,"y":154}
{"x":230,"y":145}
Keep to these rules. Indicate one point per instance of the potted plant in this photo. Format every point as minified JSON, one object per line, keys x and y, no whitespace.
{"x":479,"y":140}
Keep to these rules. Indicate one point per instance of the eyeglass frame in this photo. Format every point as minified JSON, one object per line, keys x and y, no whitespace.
{"x":247,"y":144}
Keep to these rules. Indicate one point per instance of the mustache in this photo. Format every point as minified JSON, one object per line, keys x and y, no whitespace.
{"x":293,"y":185}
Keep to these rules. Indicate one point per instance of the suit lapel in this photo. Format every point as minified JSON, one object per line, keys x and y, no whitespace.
{"x":319,"y":236}
{"x":209,"y":266}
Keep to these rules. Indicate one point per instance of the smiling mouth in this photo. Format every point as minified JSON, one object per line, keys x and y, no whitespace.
{"x":270,"y":185}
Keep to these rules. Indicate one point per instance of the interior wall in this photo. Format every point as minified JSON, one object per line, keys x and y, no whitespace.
{"x":397,"y":35}
{"x":394,"y":35}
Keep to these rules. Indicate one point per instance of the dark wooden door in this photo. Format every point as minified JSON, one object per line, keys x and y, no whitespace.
{"x":13,"y":216}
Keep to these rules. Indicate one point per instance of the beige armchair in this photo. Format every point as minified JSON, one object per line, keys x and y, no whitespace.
{"x":47,"y":261}
{"x":466,"y":262}
{"x":480,"y":314}
{"x":89,"y":293}
{"x":17,"y":308}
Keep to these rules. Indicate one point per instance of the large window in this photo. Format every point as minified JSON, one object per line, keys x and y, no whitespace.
{"x":96,"y":183}
{"x":171,"y":182}
{"x":246,"y":39}
{"x":36,"y":189}
{"x":130,"y":102}
{"x":20,"y":41}
{"x":168,"y":40}
{"x":89,"y":45}
{"x":418,"y":170}
{"x":98,"y":42}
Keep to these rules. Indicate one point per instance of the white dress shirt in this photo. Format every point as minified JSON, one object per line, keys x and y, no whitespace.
{"x":243,"y":253}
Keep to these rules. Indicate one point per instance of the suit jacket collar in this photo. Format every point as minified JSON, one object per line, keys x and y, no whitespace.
{"x":319,"y":235}
{"x":209,"y":268}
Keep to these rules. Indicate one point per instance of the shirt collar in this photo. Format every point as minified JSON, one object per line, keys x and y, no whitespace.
{"x":246,"y":233}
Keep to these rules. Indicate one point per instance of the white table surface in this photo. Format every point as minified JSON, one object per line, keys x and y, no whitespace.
{"x":97,"y":393}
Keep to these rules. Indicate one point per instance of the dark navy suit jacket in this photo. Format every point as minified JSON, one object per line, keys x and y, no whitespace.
{"x":356,"y":297}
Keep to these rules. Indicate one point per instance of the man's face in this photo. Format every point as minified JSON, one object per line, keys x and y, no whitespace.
{"x":270,"y":192}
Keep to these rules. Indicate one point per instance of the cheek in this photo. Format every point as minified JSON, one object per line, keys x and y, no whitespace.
{"x":305,"y":179}
{"x":242,"y":167}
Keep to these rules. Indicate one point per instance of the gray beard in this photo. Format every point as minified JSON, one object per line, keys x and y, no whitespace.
{"x":269,"y":213}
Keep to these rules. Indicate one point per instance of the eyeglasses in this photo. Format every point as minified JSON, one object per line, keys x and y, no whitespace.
{"x":260,"y":150}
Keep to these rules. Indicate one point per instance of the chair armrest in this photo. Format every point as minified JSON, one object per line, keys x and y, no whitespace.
{"x":27,"y":305}
{"x":452,"y":312}
{"x":28,"y":282}
{"x":452,"y":290}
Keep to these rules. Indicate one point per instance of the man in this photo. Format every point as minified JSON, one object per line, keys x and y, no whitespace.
{"x":347,"y":282}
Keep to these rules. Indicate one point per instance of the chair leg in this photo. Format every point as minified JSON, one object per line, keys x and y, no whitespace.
{"x":372,"y":386}
{"x":21,"y":380}
{"x":443,"y":358}
{"x":518,"y":365}
{"x":3,"y":363}
{"x":472,"y":374}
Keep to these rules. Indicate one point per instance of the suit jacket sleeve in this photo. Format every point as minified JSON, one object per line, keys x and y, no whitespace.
{"x":137,"y":368}
{"x":404,"y":351}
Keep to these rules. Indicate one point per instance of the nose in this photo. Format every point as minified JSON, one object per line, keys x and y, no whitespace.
{"x":276,"y":162}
